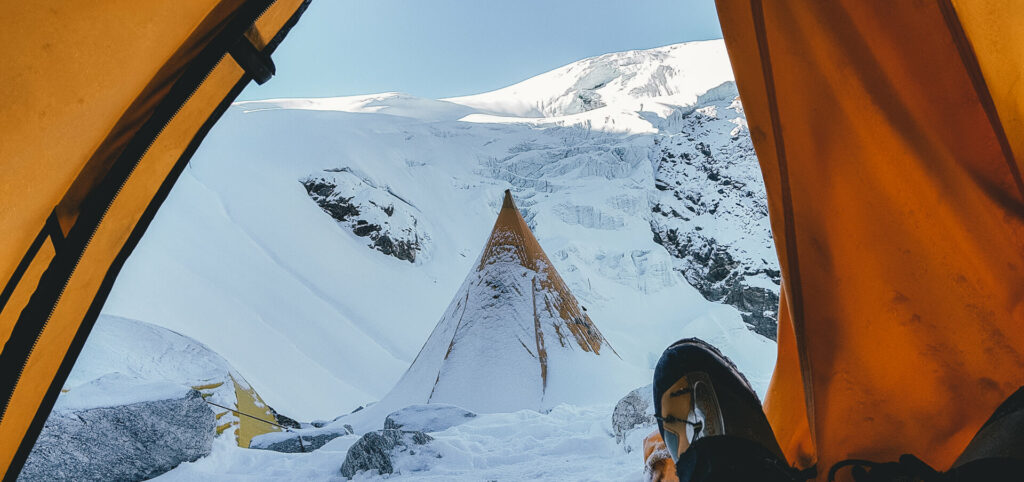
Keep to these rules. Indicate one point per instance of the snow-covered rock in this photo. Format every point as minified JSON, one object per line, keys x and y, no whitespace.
{"x":157,"y":428}
{"x":375,"y":451}
{"x":635,"y":412}
{"x":374,"y":212}
{"x":433,"y":417}
{"x":299,"y":441}
{"x":126,"y":361}
{"x":710,"y":209}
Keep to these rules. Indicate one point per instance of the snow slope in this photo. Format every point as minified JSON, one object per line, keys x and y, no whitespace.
{"x":301,"y":298}
{"x":569,"y":443}
{"x":621,"y":86}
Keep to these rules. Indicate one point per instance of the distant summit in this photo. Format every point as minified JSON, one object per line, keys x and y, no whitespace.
{"x":514,"y":337}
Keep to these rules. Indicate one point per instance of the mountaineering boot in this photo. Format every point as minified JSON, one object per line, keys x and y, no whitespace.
{"x":995,"y":454}
{"x":1001,"y":436}
{"x":712,"y":421}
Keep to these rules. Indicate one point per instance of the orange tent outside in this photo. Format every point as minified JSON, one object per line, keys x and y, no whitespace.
{"x":890,"y":135}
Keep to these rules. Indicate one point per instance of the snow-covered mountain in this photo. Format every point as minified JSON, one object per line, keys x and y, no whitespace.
{"x":314,"y":243}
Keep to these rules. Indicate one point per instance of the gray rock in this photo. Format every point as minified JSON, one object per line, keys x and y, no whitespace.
{"x":128,"y":442}
{"x":376,"y":450}
{"x":636,"y":409}
{"x":433,"y":417}
{"x":284,"y":420}
{"x":297,"y":441}
{"x":710,"y":171}
{"x":374,"y":217}
{"x":715,"y":273}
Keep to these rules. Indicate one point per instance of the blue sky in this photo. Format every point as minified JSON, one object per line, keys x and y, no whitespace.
{"x":444,"y":48}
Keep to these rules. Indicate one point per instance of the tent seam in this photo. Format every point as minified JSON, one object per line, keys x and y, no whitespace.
{"x":973,"y":68}
{"x":795,"y":291}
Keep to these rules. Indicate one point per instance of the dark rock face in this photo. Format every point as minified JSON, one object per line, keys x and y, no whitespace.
{"x":433,"y":417}
{"x":758,"y":306}
{"x":711,"y":269}
{"x":129,"y":442}
{"x":370,"y":211}
{"x":636,"y":409}
{"x":375,"y":450}
{"x":284,"y":420}
{"x":707,"y":177}
{"x":299,"y":441}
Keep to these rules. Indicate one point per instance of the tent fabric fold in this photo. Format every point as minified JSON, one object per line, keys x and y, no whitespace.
{"x":102,"y":105}
{"x":889,"y":135}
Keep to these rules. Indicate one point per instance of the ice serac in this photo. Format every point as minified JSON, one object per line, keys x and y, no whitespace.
{"x":514,"y":337}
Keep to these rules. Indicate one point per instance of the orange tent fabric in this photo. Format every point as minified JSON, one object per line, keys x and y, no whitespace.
{"x":890,"y":138}
{"x":101,"y":106}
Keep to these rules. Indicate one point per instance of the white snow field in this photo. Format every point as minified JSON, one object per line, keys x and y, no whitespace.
{"x":569,"y":443}
{"x":320,"y":318}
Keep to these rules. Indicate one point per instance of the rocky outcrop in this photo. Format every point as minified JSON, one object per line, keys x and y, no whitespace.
{"x":710,"y":210}
{"x":369,"y":211}
{"x":284,"y":420}
{"x":299,"y":441}
{"x":634,"y":410}
{"x":376,"y":451}
{"x":129,"y":442}
{"x":433,"y":417}
{"x":718,"y":276}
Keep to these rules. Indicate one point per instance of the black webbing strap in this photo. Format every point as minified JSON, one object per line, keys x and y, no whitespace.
{"x":256,"y":63}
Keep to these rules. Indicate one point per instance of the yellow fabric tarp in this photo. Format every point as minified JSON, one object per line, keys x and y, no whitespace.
{"x":101,"y":105}
{"x":890,"y":138}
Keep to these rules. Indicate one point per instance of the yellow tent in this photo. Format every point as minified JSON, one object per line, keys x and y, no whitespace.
{"x":101,"y":106}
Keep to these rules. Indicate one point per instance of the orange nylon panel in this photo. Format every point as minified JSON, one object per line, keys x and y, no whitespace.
{"x":995,"y":29}
{"x":785,"y":407}
{"x":106,"y":244}
{"x":788,"y":415}
{"x":907,"y":226}
{"x":122,"y":217}
{"x":71,"y":69}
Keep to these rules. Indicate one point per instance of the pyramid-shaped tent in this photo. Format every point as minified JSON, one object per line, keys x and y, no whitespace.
{"x":513,"y":337}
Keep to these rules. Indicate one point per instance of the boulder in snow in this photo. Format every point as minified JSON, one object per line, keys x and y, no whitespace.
{"x":376,"y":450}
{"x":370,"y":211}
{"x":633,"y":413}
{"x":302,"y":440}
{"x":433,"y":417}
{"x":136,"y":441}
